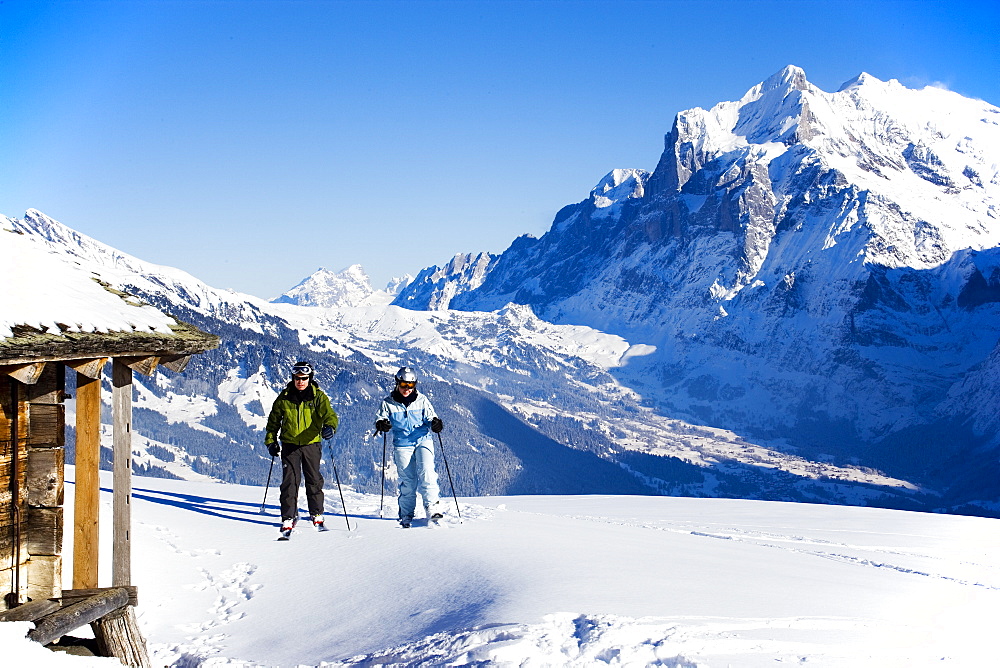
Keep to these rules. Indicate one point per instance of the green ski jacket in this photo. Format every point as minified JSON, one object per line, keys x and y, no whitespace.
{"x":299,"y":422}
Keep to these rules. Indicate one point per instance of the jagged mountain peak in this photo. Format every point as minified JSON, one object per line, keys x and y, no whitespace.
{"x":789,"y":78}
{"x":435,"y":287}
{"x":862,"y":79}
{"x":619,"y":185}
{"x":927,"y":151}
{"x":324,"y":288}
{"x":397,"y":284}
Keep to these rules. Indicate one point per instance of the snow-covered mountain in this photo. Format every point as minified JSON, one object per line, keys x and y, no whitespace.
{"x":818,"y":268}
{"x":346,"y":288}
{"x":801,"y":302}
{"x":435,"y":287}
{"x":530,"y":406}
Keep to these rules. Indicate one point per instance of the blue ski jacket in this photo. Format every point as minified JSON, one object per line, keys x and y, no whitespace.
{"x":411,"y":423}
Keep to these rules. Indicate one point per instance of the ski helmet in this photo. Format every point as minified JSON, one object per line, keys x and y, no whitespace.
{"x":406,"y":375}
{"x":302,"y":369}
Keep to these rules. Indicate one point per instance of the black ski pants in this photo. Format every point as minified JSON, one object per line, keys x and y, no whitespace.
{"x":297,"y":460}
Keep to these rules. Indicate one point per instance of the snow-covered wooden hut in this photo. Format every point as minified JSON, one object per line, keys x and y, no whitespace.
{"x":56,"y":318}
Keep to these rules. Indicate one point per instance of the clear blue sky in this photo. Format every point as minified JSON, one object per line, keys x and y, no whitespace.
{"x":250,"y":143}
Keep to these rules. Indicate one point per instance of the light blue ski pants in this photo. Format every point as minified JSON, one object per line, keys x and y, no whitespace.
{"x":415,"y":465}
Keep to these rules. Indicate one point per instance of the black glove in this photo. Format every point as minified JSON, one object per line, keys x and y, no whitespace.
{"x":274,"y":449}
{"x":383,"y":425}
{"x":436,"y":425}
{"x":327,"y":433}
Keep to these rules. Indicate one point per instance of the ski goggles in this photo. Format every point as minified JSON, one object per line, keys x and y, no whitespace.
{"x":304,"y":369}
{"x":406,"y":385}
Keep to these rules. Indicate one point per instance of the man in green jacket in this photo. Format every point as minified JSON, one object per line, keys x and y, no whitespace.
{"x":299,"y":417}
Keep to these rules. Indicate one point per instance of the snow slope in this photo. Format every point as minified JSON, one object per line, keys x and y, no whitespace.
{"x":557,"y":580}
{"x":63,"y":296}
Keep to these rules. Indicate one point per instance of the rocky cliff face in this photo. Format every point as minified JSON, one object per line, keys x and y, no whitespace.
{"x":816,"y":267}
{"x":435,"y":287}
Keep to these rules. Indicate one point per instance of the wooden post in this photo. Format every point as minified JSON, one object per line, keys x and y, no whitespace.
{"x":121,"y":413}
{"x":118,"y":635}
{"x":87,"y":510}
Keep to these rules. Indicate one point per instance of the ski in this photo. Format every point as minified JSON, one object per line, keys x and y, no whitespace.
{"x":320,"y":526}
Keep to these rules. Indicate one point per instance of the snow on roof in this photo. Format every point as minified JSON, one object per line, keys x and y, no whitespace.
{"x":48,"y":292}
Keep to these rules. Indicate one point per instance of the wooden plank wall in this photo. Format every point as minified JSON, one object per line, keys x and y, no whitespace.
{"x":46,"y":456}
{"x":13,"y":420}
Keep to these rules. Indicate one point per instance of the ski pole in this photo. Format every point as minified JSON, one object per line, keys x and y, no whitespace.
{"x":446,"y":468}
{"x":381,"y":503}
{"x":337,"y":478}
{"x":267,"y":486}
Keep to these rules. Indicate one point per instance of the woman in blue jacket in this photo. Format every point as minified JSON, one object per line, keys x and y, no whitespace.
{"x":411,"y":419}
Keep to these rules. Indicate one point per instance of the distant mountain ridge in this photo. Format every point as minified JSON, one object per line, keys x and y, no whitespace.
{"x":531,"y":407}
{"x":346,"y":288}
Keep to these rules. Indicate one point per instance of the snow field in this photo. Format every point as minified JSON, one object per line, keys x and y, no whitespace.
{"x":560,"y":580}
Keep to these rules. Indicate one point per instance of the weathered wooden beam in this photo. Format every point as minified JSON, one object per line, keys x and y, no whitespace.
{"x":91,"y":368}
{"x":121,"y":414}
{"x":47,"y":425}
{"x":144,"y":365}
{"x":118,"y":635}
{"x":87,"y":499}
{"x":13,"y":411}
{"x":72,"y":617}
{"x":25,"y":373}
{"x":44,"y":531}
{"x":30,"y":611}
{"x":45,"y":477}
{"x":44,"y":576}
{"x":50,"y":388}
{"x":175,"y":363}
{"x":71,"y":596}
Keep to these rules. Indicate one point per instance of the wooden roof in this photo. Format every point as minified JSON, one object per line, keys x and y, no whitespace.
{"x":28,"y":345}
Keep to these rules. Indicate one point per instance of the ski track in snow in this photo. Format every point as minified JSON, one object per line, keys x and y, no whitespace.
{"x":777,"y":541}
